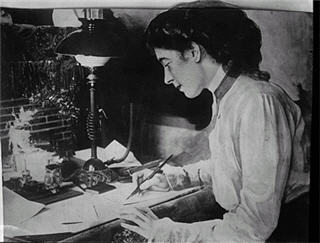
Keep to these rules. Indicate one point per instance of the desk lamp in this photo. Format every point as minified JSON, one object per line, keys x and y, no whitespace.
{"x":98,"y":40}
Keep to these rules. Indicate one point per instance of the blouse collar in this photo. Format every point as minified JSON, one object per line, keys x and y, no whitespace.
{"x":215,"y":82}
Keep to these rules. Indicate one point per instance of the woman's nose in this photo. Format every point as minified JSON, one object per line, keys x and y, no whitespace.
{"x":168,"y":79}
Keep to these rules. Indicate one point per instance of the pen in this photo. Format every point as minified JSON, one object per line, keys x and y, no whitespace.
{"x":95,"y":210}
{"x":148,"y":165}
{"x":135,"y":191}
{"x":77,"y":222}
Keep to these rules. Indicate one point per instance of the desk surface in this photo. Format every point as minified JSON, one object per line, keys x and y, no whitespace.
{"x":89,"y":210}
{"x":194,"y":205}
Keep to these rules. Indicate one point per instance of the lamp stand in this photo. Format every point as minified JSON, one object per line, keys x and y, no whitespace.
{"x":93,"y":163}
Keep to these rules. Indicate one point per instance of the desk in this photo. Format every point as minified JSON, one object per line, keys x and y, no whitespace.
{"x":99,"y":214}
{"x":195,"y":206}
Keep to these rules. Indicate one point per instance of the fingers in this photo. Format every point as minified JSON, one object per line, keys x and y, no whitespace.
{"x":139,"y":176}
{"x":134,"y":229}
{"x":135,"y":212}
{"x":149,"y":183}
{"x":133,"y":218}
{"x":158,"y":182}
{"x":142,"y":218}
{"x":149,"y":212}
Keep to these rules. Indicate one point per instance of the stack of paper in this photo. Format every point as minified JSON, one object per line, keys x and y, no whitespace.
{"x":113,"y":151}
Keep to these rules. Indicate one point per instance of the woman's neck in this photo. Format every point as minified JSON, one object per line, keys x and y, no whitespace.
{"x":210,"y":68}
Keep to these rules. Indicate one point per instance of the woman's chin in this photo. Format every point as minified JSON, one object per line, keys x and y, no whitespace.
{"x":191,"y":95}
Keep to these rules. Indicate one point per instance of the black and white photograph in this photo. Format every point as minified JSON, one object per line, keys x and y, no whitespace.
{"x":159,"y":121}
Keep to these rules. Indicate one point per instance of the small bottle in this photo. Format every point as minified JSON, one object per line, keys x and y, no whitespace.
{"x":26,"y":177}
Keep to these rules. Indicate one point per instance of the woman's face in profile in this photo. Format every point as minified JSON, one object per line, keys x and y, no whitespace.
{"x":181,"y":71}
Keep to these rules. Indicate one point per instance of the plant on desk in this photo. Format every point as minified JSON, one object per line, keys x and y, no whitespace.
{"x":19,"y":133}
{"x":24,"y":152}
{"x":27,"y":168}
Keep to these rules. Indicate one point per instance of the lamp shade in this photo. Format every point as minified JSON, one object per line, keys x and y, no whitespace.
{"x":97,"y":37}
{"x":92,"y":61}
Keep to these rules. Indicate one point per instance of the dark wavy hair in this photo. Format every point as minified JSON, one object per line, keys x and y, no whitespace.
{"x":227,"y":35}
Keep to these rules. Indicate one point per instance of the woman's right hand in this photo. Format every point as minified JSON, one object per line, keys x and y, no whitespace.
{"x":157,"y":183}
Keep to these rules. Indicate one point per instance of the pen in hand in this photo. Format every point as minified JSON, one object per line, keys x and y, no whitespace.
{"x":137,"y":189}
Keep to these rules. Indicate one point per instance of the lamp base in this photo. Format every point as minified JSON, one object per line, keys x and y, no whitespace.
{"x":95,"y":172}
{"x":96,"y":163}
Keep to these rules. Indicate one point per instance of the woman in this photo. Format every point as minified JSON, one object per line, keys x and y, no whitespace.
{"x":254,"y":134}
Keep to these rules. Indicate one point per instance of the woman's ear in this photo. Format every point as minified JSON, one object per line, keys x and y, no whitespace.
{"x":196,"y":52}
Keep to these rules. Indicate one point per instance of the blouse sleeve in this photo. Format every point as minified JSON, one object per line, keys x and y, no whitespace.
{"x":191,"y":175}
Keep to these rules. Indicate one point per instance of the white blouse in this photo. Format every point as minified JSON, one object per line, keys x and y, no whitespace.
{"x":256,"y":157}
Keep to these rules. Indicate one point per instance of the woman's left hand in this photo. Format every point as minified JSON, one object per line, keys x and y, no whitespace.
{"x":141,"y":220}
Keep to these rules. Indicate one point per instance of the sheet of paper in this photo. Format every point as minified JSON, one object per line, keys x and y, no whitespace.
{"x":114,"y":150}
{"x":72,"y":215}
{"x":17,"y":209}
